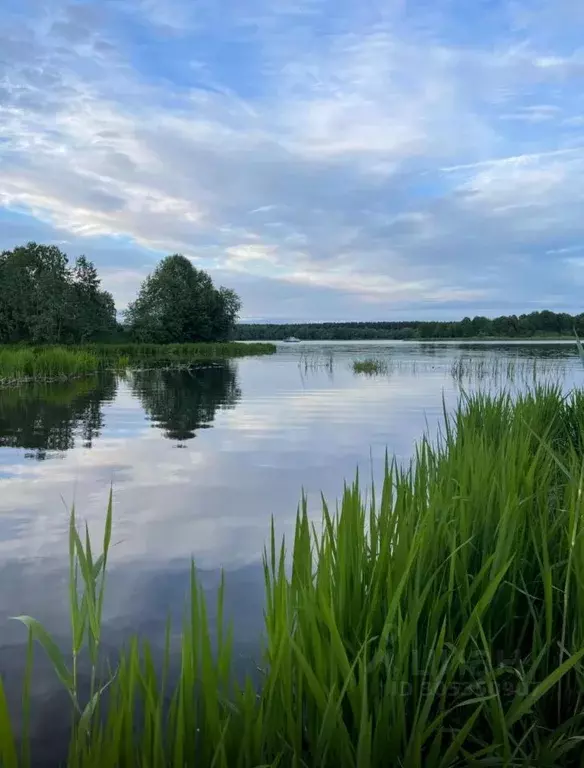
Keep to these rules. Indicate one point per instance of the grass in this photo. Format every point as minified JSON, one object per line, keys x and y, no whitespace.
{"x":180,"y":352}
{"x":19,"y":364}
{"x":438,"y":622}
{"x":22,"y":364}
{"x":466,"y":370}
{"x":498,"y":371}
{"x":370,"y":367}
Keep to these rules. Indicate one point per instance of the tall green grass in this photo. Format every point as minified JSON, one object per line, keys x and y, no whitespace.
{"x":180,"y":352}
{"x":436,"y":622}
{"x":27,"y":364}
{"x":20,"y":364}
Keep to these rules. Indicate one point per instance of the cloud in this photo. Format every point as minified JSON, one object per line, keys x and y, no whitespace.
{"x":351,"y":161}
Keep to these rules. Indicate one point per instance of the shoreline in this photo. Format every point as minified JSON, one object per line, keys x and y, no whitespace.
{"x":20,"y":365}
{"x":452,"y":340}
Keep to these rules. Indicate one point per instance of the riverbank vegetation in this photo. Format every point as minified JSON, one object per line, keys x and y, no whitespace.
{"x":535,"y":325}
{"x":179,"y":352}
{"x":20,"y":364}
{"x":44,"y":364}
{"x":436,"y":622}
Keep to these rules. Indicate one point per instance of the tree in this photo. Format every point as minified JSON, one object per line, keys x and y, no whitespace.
{"x":179,"y":303}
{"x":93,"y":311}
{"x":44,"y":301}
{"x":226,"y":312}
{"x":33,"y":294}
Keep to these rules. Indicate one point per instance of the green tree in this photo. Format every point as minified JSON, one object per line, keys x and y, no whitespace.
{"x":44,"y":301}
{"x":34,"y":294}
{"x":179,"y":303}
{"x":93,"y":311}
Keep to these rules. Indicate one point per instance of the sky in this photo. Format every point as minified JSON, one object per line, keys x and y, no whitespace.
{"x":328,"y":159}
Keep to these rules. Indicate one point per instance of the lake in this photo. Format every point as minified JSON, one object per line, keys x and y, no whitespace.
{"x":200,"y":461}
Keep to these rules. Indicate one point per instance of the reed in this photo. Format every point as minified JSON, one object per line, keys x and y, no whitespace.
{"x":20,"y":364}
{"x":180,"y":352}
{"x":438,"y":622}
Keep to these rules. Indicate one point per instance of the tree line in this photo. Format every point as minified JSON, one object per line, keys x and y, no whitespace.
{"x":46,"y":300}
{"x":526,"y":326}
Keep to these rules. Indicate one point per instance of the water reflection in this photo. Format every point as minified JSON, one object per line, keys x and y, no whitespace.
{"x":275,"y":433}
{"x":184,"y":401}
{"x":46,"y":418}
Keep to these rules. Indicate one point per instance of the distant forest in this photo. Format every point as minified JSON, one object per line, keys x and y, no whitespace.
{"x":543,"y":324}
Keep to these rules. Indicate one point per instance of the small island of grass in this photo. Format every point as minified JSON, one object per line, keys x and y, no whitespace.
{"x":370,"y":366}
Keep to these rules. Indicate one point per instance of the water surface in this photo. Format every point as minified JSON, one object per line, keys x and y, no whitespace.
{"x":200,"y":461}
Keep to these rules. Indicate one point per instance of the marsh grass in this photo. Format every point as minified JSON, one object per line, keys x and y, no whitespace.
{"x":316,"y":362}
{"x":438,"y":621}
{"x":180,"y":352}
{"x":500,"y":371}
{"x":24,"y":364}
{"x":371,"y":367}
{"x":21,"y":364}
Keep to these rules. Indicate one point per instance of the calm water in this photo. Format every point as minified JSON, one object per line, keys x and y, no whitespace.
{"x":200,"y":461}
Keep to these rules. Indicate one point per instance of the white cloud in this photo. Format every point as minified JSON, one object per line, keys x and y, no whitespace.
{"x":355,"y":154}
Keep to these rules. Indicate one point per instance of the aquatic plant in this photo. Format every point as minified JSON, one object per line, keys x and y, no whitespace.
{"x":579,"y":346}
{"x":19,"y":364}
{"x":370,"y":366}
{"x":180,"y":352}
{"x":439,"y":622}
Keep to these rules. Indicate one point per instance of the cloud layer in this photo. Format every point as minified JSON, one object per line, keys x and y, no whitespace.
{"x":328,"y":161}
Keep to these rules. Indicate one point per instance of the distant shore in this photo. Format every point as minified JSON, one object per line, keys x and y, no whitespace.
{"x":461,"y":339}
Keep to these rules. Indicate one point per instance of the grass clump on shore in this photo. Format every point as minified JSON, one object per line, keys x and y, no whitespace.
{"x":370,"y":367}
{"x":19,"y":364}
{"x":437,"y":623}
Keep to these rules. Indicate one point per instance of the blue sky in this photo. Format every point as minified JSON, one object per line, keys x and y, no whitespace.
{"x":328,"y":160}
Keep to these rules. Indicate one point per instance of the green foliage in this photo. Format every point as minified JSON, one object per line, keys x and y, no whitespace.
{"x":21,"y":364}
{"x":44,"y":301}
{"x":179,"y":353}
{"x":178,"y":303}
{"x":438,"y":623}
{"x":93,"y":310}
{"x":370,"y":366}
{"x":535,"y":325}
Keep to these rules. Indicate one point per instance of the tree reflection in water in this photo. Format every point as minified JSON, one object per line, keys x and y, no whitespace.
{"x":180,"y":402}
{"x":53,"y":417}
